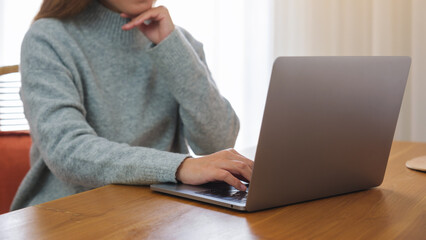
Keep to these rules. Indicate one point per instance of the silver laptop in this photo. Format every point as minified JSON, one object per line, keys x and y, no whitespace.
{"x":327,"y":129}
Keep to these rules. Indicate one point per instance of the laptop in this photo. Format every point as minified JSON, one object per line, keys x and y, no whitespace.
{"x":327,"y":129}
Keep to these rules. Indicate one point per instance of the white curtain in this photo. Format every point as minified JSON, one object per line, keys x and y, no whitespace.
{"x":361,"y":27}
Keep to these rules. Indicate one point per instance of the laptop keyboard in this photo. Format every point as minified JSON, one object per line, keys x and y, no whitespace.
{"x":226,"y":193}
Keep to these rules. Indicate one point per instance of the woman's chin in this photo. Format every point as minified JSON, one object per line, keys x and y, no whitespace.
{"x":136,"y":11}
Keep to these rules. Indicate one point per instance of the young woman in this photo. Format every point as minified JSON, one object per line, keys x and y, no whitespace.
{"x":114,"y":92}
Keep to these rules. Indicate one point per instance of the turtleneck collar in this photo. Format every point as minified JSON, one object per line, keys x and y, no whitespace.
{"x":105,"y":25}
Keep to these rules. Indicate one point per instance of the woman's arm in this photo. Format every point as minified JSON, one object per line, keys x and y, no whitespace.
{"x":209,"y":122}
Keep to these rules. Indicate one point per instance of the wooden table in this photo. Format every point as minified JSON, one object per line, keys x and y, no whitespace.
{"x":394,"y":210}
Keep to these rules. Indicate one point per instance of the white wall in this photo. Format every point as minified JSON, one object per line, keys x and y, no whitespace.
{"x":15,"y":19}
{"x":418,"y":88}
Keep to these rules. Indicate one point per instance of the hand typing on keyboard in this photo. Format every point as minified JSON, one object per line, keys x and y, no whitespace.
{"x":227,"y":165}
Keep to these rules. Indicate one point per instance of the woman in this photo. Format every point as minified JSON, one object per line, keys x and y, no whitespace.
{"x":113,"y":91}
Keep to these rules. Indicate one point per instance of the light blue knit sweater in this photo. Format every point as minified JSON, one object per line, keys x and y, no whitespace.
{"x":107,"y":106}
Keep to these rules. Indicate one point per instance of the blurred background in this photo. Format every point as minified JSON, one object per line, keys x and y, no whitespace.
{"x":243,"y":37}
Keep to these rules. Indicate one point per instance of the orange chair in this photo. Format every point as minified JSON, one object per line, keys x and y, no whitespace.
{"x":14,"y":158}
{"x":14,"y":164}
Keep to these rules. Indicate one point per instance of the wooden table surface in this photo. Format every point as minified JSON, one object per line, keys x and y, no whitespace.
{"x":394,"y":210}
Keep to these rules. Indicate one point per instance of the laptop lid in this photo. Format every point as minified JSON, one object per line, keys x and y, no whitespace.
{"x":327,"y":128}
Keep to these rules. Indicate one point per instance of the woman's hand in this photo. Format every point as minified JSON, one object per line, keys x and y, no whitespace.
{"x":227,"y":165}
{"x":155,"y":23}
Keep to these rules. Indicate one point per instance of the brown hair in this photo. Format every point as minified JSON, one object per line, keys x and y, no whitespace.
{"x":61,"y":9}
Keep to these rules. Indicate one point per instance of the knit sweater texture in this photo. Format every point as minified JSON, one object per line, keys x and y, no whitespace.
{"x":106,"y":106}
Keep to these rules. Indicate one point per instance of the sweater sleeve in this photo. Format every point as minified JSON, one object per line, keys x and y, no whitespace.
{"x":70,"y":147}
{"x":209,"y":122}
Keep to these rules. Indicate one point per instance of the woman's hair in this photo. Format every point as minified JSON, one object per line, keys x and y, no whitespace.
{"x":61,"y":9}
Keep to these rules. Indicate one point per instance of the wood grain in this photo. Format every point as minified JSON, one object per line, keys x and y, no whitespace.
{"x":394,"y":210}
{"x":9,"y":69}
